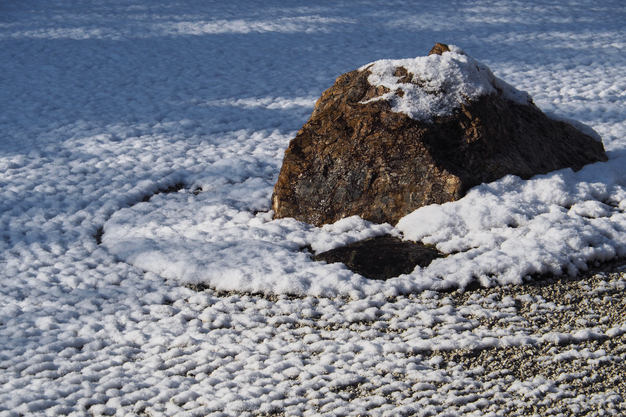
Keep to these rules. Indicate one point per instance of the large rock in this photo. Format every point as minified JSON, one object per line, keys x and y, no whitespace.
{"x":397,"y":135}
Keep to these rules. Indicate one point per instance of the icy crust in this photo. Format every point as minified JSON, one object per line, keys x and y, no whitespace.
{"x":439,"y":85}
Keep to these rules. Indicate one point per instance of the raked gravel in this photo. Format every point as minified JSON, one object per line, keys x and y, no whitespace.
{"x":594,"y":368}
{"x":578,"y":366}
{"x":104,"y":104}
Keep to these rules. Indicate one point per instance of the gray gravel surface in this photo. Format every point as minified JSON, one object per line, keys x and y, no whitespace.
{"x":591,"y":368}
{"x":572,"y":363}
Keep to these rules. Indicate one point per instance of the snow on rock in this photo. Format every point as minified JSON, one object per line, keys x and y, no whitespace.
{"x":356,"y":156}
{"x":439,"y":83}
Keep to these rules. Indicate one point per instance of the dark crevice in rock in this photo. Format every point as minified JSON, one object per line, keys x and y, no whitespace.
{"x":381,"y":257}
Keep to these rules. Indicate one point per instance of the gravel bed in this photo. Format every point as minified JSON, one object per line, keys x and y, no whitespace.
{"x":591,"y":368}
{"x":573,"y":363}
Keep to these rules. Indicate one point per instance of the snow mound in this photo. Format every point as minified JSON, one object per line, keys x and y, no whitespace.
{"x":498,"y":234}
{"x":439,"y":85}
{"x":225,"y":237}
{"x":502,"y":232}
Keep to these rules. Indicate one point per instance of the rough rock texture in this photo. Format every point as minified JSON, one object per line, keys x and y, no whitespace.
{"x":381,"y":257}
{"x":439,"y":49}
{"x":355,"y":156}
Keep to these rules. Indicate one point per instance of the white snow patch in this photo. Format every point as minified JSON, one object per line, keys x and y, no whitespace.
{"x":439,"y":84}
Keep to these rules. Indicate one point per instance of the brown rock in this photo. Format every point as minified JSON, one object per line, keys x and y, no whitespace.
{"x":358,"y":157}
{"x":439,"y":49}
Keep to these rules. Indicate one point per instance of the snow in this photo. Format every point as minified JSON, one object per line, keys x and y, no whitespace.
{"x":510,"y":229}
{"x":104,"y":106}
{"x":439,"y":84}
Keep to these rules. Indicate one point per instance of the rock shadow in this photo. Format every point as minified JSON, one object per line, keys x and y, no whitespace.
{"x":381,"y":257}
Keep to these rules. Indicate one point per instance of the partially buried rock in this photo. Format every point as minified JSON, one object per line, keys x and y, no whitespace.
{"x":381,"y":257}
{"x":396,"y":135}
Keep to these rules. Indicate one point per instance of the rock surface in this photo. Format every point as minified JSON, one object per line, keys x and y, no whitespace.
{"x":381,"y":257}
{"x":394,"y":136}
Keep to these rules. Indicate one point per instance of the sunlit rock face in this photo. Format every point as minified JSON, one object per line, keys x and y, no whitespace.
{"x":396,"y":135}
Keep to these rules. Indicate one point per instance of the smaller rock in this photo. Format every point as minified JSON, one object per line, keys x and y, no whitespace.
{"x":381,"y":257}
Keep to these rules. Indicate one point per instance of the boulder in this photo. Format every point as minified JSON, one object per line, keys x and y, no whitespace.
{"x":396,"y":135}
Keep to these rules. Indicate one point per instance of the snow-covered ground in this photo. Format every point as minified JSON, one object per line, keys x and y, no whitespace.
{"x":104,"y":105}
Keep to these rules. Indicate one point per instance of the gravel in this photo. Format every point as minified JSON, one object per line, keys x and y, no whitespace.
{"x":552,"y":374}
{"x":595,"y":367}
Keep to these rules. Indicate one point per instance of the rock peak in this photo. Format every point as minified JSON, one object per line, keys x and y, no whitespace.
{"x":432,"y":86}
{"x":439,"y":49}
